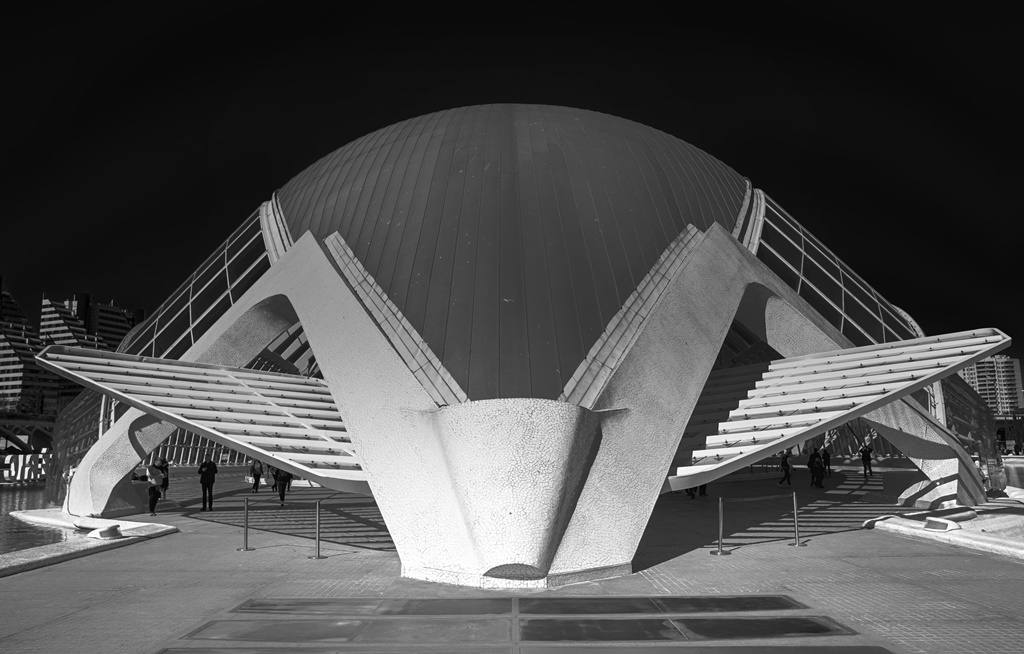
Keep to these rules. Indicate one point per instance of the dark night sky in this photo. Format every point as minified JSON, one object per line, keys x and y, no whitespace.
{"x":135,"y":144}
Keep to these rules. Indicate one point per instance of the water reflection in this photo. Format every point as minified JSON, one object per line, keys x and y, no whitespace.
{"x":19,"y":535}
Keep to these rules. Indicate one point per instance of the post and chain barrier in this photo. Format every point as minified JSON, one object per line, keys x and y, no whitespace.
{"x":721,"y":520}
{"x":796,"y":526}
{"x":317,"y":555}
{"x":245,"y":527}
{"x":245,"y":530}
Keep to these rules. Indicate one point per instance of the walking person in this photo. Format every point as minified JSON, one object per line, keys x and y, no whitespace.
{"x":207,"y":475}
{"x":818,"y":471}
{"x":156,"y":480}
{"x":255,"y":471}
{"x":281,"y":479}
{"x":813,"y":465}
{"x":166,"y":470}
{"x":826,"y":459}
{"x":865,"y":458}
{"x":786,"y":468}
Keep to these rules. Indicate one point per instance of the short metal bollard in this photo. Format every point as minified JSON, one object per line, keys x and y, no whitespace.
{"x":317,"y":556}
{"x":721,"y":515}
{"x":245,"y":527}
{"x":796,"y":527}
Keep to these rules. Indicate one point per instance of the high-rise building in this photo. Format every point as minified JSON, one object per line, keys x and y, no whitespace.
{"x":998,"y":380}
{"x":80,"y":322}
{"x":25,"y":388}
{"x":83,"y":323}
{"x":59,"y":325}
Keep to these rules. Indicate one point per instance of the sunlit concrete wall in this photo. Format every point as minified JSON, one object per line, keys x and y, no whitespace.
{"x":514,"y":492}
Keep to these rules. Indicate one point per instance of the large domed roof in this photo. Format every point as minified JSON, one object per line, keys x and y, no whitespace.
{"x":511,"y":233}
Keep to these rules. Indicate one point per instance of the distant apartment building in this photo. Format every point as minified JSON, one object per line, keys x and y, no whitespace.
{"x":81,"y":322}
{"x":25,"y":388}
{"x":998,"y":380}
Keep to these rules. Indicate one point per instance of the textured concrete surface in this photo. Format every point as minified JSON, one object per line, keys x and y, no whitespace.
{"x":101,"y":485}
{"x":518,"y":466}
{"x":906,"y":595}
{"x":997,"y":526}
{"x":425,"y":463}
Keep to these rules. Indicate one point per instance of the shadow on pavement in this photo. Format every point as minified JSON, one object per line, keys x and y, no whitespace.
{"x":345,"y":518}
{"x":759,"y":511}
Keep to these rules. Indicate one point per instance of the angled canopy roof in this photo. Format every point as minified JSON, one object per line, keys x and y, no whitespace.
{"x":287,"y":419}
{"x":803,"y":396}
{"x":511,"y":232}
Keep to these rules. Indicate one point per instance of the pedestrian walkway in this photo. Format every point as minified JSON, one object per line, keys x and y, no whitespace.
{"x":851,"y":590}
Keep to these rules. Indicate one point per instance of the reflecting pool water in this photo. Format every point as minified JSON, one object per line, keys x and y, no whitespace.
{"x":17,"y":534}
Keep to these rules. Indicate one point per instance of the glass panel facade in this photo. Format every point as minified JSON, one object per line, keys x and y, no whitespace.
{"x":205,"y":296}
{"x":828,"y":284}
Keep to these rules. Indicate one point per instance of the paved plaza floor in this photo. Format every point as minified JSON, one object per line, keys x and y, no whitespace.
{"x":847,"y":590}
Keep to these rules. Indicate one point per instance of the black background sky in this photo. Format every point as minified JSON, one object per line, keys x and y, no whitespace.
{"x":134,"y":144}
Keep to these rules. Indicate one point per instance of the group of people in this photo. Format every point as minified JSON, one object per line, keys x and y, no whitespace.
{"x":158,"y":476}
{"x":282,"y":479}
{"x":820,"y":465}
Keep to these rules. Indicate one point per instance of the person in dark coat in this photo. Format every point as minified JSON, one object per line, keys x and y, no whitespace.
{"x":786,"y":468}
{"x":255,"y":471}
{"x":281,"y":479}
{"x":865,"y":458}
{"x":207,"y":475}
{"x":166,"y":470}
{"x":826,"y":459}
{"x":156,"y":480}
{"x":814,"y":466}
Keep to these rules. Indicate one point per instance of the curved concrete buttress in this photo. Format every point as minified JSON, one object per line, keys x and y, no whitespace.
{"x":657,"y":383}
{"x":101,"y":485}
{"x":646,"y":404}
{"x":517,"y":467}
{"x":476,"y":493}
{"x":951,"y":479}
{"x":388,"y":413}
{"x":656,"y":386}
{"x":777,"y":322}
{"x":903,"y":423}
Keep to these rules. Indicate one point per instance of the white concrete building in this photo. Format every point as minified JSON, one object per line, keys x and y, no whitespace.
{"x":524,"y":323}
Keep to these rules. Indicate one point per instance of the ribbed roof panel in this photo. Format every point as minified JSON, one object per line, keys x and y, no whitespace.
{"x":509,"y":235}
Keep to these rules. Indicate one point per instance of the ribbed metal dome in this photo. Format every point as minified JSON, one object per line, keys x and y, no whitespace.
{"x":509,"y":235}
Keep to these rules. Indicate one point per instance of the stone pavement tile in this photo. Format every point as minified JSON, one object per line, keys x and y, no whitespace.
{"x":908,"y":595}
{"x":892,"y":588}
